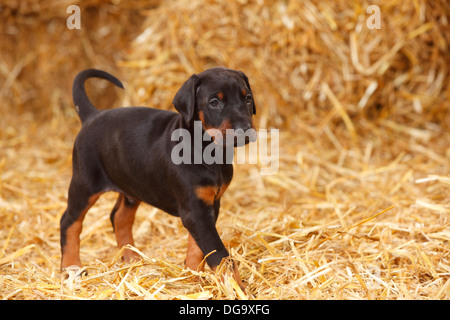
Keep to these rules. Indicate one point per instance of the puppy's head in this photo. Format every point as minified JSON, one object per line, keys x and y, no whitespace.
{"x":222,"y":100}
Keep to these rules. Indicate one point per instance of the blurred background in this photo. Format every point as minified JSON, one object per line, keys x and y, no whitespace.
{"x":289,"y":49}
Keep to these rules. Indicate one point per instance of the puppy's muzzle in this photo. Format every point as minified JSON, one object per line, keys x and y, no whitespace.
{"x":233,"y":137}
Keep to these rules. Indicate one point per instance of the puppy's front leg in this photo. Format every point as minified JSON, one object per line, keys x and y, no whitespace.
{"x":200,"y":222}
{"x":204,"y":239}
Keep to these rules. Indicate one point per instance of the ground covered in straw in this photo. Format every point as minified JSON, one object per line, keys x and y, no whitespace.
{"x":359,"y":207}
{"x":341,"y":224}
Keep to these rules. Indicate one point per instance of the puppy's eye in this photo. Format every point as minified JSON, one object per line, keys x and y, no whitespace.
{"x":248,"y":99}
{"x":214,"y":103}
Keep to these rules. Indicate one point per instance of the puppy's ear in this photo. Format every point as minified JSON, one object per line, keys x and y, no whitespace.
{"x":248,"y":86}
{"x":184,"y":100}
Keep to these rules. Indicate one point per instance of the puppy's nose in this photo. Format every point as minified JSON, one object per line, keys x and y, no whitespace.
{"x":246,"y":130}
{"x":242,"y":128}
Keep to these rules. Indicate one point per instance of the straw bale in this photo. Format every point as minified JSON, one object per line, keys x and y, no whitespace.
{"x":304,"y":56}
{"x":41,"y":56}
{"x":359,"y":208}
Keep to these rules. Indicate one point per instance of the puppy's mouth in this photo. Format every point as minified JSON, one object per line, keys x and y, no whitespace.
{"x":231,"y":137}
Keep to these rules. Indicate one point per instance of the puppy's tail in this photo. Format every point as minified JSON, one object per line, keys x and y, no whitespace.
{"x":83,"y":106}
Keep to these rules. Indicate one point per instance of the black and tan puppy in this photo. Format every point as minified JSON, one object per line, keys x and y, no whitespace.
{"x":128,"y":150}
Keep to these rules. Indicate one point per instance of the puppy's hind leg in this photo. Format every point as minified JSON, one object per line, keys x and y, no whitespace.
{"x":122,"y":219}
{"x":79,"y":202}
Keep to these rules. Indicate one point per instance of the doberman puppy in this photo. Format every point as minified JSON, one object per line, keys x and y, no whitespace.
{"x":128,"y":150}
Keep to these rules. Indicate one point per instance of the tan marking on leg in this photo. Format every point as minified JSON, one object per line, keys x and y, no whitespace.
{"x":194,"y":256}
{"x":123,"y":226}
{"x":71,"y":250}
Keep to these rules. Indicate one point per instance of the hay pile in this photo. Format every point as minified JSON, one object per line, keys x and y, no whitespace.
{"x":359,"y":208}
